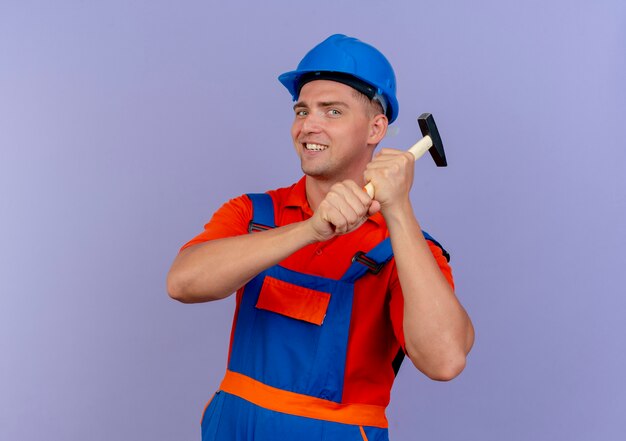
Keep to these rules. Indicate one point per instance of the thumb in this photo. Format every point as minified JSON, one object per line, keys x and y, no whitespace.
{"x":374,"y":208}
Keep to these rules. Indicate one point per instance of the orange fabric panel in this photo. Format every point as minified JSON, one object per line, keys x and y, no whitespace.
{"x":292,"y":403}
{"x":293,"y":301}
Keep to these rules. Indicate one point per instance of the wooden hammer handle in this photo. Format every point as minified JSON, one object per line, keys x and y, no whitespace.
{"x":418,"y":149}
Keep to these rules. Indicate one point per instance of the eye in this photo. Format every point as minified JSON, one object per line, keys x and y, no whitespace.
{"x":334,"y":112}
{"x":301,"y":113}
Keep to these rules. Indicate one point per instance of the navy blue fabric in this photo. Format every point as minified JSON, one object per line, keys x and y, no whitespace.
{"x":292,"y":354}
{"x":381,"y":253}
{"x":262,"y":209}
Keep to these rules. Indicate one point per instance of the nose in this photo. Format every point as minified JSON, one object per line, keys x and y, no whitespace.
{"x":311,"y":123}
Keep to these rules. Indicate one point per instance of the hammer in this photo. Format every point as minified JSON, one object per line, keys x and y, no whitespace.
{"x":430,"y":142}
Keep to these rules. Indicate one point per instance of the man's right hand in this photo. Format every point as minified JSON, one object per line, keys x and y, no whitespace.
{"x":344,"y":209}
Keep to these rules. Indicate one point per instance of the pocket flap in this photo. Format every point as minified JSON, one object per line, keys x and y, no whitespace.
{"x":293,"y":301}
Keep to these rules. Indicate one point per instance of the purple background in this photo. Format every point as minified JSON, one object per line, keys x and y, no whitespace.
{"x":124,"y":125}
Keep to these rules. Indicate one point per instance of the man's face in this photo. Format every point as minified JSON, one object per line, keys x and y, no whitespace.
{"x":331,"y":131}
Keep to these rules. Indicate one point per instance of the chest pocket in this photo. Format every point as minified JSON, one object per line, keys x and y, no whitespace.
{"x":297,"y":302}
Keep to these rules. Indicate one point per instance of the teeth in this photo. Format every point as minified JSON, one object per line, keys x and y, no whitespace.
{"x":316,"y":147}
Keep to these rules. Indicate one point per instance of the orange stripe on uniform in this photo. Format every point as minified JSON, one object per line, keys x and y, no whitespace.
{"x":292,"y":403}
{"x":363,"y":433}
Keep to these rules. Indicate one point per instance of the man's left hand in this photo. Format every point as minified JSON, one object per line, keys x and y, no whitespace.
{"x":391,"y":174}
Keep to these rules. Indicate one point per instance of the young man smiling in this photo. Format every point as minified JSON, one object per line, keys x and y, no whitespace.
{"x":333,"y":287}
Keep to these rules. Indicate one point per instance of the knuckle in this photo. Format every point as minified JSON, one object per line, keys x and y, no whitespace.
{"x":338,"y":185}
{"x":335,"y":188}
{"x":357,"y":215}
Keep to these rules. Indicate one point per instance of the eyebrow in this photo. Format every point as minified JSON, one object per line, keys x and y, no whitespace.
{"x":322,"y":104}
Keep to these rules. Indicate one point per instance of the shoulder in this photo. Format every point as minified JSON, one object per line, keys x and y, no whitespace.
{"x":233,"y":217}
{"x":242,"y":206}
{"x":442,"y":258}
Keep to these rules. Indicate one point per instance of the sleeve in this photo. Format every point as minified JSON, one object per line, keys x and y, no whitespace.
{"x":396,"y":302}
{"x":231,"y":219}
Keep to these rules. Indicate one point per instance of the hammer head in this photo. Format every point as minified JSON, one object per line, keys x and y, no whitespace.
{"x":429,"y":128}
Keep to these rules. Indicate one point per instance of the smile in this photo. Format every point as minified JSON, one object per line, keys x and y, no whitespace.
{"x":315,"y":147}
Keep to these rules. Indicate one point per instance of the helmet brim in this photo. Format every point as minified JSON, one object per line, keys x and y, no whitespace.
{"x":291,"y":81}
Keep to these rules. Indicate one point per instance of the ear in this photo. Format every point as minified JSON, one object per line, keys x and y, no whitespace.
{"x":378,"y":129}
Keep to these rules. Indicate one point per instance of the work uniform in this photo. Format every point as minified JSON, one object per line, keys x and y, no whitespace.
{"x":317,"y":339}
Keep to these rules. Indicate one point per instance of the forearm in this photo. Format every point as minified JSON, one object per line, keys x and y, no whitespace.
{"x":438,"y":332}
{"x":213,"y":270}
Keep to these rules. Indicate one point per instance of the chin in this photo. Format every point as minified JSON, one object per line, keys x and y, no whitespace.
{"x":315,"y":173}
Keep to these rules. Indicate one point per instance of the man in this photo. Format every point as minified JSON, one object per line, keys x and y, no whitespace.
{"x":333,"y":287}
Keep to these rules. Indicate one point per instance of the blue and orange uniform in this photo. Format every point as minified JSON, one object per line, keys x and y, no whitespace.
{"x":316,"y":340}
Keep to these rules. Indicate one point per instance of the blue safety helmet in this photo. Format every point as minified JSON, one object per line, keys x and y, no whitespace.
{"x":349,"y":61}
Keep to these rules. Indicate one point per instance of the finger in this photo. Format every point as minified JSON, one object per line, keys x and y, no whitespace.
{"x":333,"y":217}
{"x":388,"y":151}
{"x":396,"y":155}
{"x":347,"y":205}
{"x":358,"y":198}
{"x":351,"y":200}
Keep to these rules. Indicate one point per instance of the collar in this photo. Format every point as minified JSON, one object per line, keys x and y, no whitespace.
{"x":297,"y":199}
